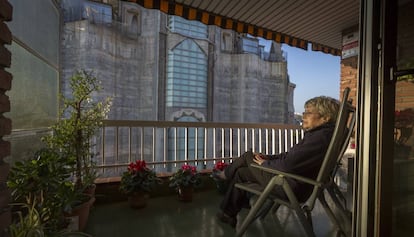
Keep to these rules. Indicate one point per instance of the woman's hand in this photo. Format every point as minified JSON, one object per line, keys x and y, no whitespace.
{"x":259,"y":158}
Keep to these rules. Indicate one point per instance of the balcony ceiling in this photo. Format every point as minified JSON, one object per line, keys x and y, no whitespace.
{"x":295,"y":22}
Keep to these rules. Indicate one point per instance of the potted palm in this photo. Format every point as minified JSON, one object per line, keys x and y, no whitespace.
{"x":80,"y":118}
{"x":137,"y":182}
{"x":184,"y":180}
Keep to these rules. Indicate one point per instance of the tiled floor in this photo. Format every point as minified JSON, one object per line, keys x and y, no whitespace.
{"x":166,"y":216}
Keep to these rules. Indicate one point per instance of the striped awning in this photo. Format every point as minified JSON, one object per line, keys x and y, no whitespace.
{"x":296,"y":23}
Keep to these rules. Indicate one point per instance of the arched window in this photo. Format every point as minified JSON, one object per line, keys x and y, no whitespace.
{"x":186,"y":76}
{"x":226,"y":42}
{"x":134,"y":28}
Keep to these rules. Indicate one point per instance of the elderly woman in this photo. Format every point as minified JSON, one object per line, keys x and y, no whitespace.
{"x":304,"y":158}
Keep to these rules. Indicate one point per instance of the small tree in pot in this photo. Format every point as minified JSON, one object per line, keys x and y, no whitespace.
{"x":53,"y":181}
{"x":80,"y":119}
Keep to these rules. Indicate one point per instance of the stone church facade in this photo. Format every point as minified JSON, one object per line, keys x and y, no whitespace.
{"x":136,"y":53}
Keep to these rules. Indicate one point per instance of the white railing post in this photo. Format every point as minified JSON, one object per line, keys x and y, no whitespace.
{"x":223,"y":142}
{"x":172,"y":146}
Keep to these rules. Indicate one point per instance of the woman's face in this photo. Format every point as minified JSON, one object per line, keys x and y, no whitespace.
{"x":311,"y":118}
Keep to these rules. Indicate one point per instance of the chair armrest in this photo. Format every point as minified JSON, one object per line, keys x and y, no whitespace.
{"x":288,"y":175}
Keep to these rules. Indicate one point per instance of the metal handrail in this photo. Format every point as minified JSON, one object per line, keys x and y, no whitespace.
{"x":166,"y":144}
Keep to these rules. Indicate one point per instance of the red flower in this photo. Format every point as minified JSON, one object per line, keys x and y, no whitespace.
{"x":138,"y":166}
{"x":191,"y":169}
{"x":186,"y":176}
{"x":138,"y":178}
{"x":220,"y":166}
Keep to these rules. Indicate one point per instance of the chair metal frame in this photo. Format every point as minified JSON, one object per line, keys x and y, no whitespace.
{"x":325,"y":181}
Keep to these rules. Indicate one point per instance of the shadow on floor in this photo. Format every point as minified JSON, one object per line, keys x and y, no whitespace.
{"x":167,"y":216}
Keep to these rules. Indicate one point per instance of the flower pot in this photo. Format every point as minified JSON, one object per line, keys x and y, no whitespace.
{"x":90,"y":190}
{"x":185,"y":194}
{"x":138,"y":200}
{"x":78,"y":218}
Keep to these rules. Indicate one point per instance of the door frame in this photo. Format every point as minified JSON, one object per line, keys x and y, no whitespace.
{"x":376,"y":103}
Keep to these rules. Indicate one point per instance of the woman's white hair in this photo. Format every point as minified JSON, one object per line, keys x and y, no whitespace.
{"x":326,"y":106}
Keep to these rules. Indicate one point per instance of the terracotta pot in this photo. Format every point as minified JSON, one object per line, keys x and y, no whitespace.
{"x":138,"y":200}
{"x":78,"y":218}
{"x":90,"y":191}
{"x":185,"y":194}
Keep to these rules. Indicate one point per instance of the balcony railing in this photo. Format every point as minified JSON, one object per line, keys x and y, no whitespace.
{"x":165,"y":145}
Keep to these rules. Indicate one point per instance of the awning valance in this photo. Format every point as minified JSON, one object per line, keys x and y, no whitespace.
{"x":209,"y":13}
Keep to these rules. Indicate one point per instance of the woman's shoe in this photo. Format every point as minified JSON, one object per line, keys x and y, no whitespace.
{"x":223,"y":217}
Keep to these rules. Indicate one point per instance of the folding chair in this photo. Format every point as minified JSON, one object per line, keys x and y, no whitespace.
{"x":332,"y":188}
{"x":343,"y":130}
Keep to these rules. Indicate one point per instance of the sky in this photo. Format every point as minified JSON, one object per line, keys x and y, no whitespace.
{"x":314,"y":73}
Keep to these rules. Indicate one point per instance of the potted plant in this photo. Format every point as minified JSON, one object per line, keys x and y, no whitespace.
{"x":137,"y":182}
{"x":30,"y":222}
{"x":42,"y":184}
{"x":184,"y":180}
{"x":80,"y":119}
{"x":221,"y":184}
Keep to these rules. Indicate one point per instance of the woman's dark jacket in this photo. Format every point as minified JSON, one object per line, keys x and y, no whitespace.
{"x":304,"y":158}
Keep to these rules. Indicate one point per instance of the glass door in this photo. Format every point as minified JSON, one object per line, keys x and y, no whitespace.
{"x":384,"y":196}
{"x":403,"y":163}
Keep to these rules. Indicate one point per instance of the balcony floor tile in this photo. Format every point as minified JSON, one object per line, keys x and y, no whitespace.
{"x":167,"y":216}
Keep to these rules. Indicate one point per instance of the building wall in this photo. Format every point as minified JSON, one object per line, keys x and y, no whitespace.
{"x":254,"y":90}
{"x":127,"y":66}
{"x":133,"y":70}
{"x":118,"y":62}
{"x":291,"y":108}
{"x":349,"y":75}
